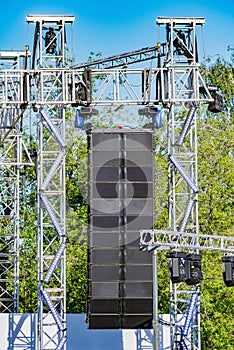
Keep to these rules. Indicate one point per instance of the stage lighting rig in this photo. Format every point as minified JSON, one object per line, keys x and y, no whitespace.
{"x":228,"y":274}
{"x":216,"y":106}
{"x":193,"y":270}
{"x":177,"y":271}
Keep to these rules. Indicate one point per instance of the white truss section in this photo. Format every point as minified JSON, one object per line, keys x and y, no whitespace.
{"x":160,"y":239}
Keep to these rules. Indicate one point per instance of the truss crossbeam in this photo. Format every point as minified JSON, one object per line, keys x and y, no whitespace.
{"x":52,"y":86}
{"x":154,"y":239}
{"x":122,"y":60}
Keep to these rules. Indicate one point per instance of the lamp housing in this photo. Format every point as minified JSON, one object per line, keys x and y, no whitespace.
{"x":228,"y":274}
{"x":193,"y":270}
{"x":177,"y":271}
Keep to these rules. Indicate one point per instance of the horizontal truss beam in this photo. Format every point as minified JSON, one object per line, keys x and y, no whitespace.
{"x":53,"y":86}
{"x":154,"y":239}
{"x":123,"y":59}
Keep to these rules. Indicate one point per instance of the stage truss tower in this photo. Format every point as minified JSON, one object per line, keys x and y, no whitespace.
{"x":49,"y":59}
{"x":184,"y":90}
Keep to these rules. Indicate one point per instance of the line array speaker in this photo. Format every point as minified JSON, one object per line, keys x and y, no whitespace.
{"x":121,"y":202}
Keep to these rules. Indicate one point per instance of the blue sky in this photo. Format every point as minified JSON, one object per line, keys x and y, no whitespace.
{"x":116,"y":27}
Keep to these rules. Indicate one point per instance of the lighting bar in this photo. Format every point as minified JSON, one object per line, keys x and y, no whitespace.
{"x":52,"y":216}
{"x":53,"y":310}
{"x":53,"y":129}
{"x":54,"y":262}
{"x":189,"y":314}
{"x":61,"y":343}
{"x":186,"y":216}
{"x":52,"y":171}
{"x":186,"y":126}
{"x":183,"y":173}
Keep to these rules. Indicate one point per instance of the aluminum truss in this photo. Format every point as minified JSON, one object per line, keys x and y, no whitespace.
{"x":183,"y":92}
{"x":14,"y":156}
{"x":48,"y":60}
{"x":153,"y":239}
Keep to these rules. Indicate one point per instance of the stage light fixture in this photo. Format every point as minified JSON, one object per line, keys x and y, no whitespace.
{"x":53,"y":129}
{"x":187,"y":213}
{"x":55,"y":262}
{"x":79,"y":121}
{"x":50,"y":41}
{"x":52,"y":309}
{"x":228,"y":274}
{"x":177,"y":272}
{"x":183,"y":173}
{"x":52,"y":216}
{"x":88,"y":111}
{"x":189,"y":314}
{"x":186,"y":126}
{"x":216,"y":105}
{"x":193,"y":269}
{"x":52,"y":170}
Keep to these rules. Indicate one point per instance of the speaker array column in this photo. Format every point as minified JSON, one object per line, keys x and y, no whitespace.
{"x":121,"y":180}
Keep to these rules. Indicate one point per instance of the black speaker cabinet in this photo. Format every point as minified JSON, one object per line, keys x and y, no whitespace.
{"x":121,"y":203}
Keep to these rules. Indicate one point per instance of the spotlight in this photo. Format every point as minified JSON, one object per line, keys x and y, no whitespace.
{"x":50,"y":41}
{"x":217,"y":105}
{"x":183,"y":173}
{"x":193,"y":269}
{"x":148,"y":111}
{"x":53,"y":310}
{"x":88,"y":111}
{"x":190,"y":314}
{"x":177,"y":272}
{"x":186,"y":126}
{"x":228,"y":274}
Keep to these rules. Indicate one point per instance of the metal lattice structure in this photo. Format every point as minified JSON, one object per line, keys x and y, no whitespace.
{"x":14,"y":156}
{"x":49,"y":59}
{"x":183,"y":84}
{"x":47,"y":87}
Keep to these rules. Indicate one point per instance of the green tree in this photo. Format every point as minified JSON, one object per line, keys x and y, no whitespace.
{"x":216,"y":199}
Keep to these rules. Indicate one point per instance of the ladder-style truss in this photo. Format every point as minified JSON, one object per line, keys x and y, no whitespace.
{"x":13,"y":157}
{"x":183,"y":92}
{"x":49,"y":58}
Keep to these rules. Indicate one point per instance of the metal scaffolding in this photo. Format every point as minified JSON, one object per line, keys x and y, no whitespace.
{"x":183,"y":92}
{"x":47,"y":87}
{"x":14,"y":156}
{"x":48,"y":59}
